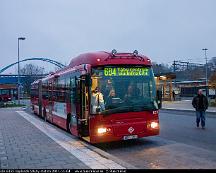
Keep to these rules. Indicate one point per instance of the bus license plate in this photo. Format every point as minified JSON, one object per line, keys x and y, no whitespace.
{"x":130,"y":137}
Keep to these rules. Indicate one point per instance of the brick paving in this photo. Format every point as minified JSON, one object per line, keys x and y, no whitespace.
{"x":23,"y":146}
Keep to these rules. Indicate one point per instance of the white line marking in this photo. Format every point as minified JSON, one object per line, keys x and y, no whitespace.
{"x":75,"y":147}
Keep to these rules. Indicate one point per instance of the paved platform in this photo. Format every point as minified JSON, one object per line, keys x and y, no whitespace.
{"x":183,"y":105}
{"x":27,"y":142}
{"x":23,"y":146}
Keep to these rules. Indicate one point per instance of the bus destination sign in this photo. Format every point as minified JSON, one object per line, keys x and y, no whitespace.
{"x":126,"y":71}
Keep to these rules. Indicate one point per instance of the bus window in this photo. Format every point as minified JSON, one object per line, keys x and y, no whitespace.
{"x":61,"y":97}
{"x":44,"y":90}
{"x":5,"y":92}
{"x":73,"y":95}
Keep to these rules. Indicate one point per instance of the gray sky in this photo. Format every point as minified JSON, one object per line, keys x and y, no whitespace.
{"x":164,"y":30}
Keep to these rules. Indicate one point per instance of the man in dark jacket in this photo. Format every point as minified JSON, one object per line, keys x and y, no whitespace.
{"x":200,"y":103}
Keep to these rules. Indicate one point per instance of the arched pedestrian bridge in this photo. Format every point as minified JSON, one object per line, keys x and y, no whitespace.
{"x":58,"y":64}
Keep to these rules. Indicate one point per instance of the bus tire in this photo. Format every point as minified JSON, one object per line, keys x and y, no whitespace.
{"x":68,"y":122}
{"x":44,"y":115}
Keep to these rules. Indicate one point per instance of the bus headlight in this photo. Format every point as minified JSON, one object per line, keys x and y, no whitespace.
{"x":154,"y":125}
{"x":102,"y":130}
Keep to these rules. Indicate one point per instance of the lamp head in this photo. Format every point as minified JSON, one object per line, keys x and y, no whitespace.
{"x":21,"y":38}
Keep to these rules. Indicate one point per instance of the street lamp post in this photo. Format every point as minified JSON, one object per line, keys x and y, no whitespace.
{"x":20,"y":38}
{"x":206,"y":73}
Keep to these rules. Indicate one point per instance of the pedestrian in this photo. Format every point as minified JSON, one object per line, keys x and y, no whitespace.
{"x":1,"y":102}
{"x":173,"y":93}
{"x":200,"y":103}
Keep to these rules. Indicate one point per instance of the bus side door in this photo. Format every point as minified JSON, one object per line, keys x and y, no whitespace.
{"x":74,"y":100}
{"x":50,"y":101}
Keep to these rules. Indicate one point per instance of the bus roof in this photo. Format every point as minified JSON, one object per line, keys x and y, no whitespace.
{"x":108,"y":58}
{"x":102,"y":58}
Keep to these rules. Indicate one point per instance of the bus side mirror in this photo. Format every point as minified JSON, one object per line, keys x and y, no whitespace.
{"x":159,"y":99}
{"x":159,"y":104}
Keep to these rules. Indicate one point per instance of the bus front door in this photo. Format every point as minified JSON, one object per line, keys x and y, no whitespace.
{"x":83,"y":120}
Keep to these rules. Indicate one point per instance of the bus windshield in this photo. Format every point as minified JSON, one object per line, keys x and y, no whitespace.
{"x":117,"y":89}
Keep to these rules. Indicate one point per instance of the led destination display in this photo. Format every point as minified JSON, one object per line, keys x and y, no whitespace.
{"x":126,"y":71}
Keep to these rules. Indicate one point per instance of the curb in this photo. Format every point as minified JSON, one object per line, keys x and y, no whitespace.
{"x":109,"y":156}
{"x":208,"y":113}
{"x":18,"y":107}
{"x":102,"y":153}
{"x":99,"y":151}
{"x":95,"y":149}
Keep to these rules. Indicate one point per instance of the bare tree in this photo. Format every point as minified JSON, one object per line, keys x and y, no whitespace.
{"x":33,"y":72}
{"x":30,"y":69}
{"x":160,"y":68}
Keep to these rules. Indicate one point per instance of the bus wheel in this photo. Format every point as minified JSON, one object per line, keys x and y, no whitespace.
{"x":44,"y":114}
{"x":69,"y":127}
{"x":68,"y":123}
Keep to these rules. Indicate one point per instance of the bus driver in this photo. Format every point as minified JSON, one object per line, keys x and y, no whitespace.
{"x":132,"y":92}
{"x":97,"y":101}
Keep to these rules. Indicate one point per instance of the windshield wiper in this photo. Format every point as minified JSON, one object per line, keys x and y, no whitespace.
{"x":118,"y":110}
{"x":133,"y":108}
{"x":144,"y":108}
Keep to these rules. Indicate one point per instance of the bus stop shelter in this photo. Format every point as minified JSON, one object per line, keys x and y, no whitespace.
{"x":164,"y":83}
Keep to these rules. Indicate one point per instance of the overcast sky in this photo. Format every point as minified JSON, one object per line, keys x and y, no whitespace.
{"x":164,"y":30}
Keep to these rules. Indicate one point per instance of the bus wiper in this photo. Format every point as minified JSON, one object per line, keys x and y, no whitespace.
{"x":148,"y":106}
{"x":144,"y":108}
{"x":132,"y":108}
{"x":118,"y":110}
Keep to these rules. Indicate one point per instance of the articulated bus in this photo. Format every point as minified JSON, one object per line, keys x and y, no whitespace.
{"x":126,"y":107}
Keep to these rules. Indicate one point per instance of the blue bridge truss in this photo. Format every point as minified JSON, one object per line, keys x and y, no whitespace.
{"x":58,"y":64}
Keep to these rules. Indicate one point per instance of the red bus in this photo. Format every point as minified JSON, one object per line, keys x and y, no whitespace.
{"x":101,"y":97}
{"x":8,"y":92}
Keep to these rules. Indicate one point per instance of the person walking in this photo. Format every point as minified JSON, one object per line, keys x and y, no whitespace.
{"x":200,"y":103}
{"x":173,"y":93}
